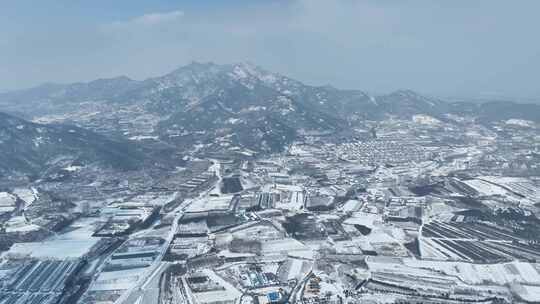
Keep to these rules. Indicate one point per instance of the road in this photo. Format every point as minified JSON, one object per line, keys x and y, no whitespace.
{"x":137,"y":291}
{"x":297,"y":290}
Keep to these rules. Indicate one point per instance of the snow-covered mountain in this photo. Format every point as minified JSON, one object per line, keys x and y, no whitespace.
{"x":29,"y":148}
{"x":234,"y":105}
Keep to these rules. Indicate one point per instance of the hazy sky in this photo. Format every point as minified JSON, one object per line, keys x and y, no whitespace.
{"x":445,"y":48}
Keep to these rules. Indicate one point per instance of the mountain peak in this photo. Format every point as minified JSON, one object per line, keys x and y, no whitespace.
{"x":245,"y":70}
{"x":193,"y":67}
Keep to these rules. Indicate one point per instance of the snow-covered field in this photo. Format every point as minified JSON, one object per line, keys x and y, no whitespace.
{"x":365,"y":219}
{"x":485,"y":188}
{"x":116,"y":280}
{"x":520,"y":122}
{"x":27,"y":195}
{"x":73,"y":244}
{"x":58,"y":249}
{"x":500,"y":274}
{"x":229,"y":293}
{"x":19,"y":224}
{"x":7,"y":200}
{"x":426,"y":120}
{"x":520,"y":277}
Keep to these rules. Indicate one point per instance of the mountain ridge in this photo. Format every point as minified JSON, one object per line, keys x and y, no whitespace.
{"x":209,"y":64}
{"x":31,"y":148}
{"x":232,"y":105}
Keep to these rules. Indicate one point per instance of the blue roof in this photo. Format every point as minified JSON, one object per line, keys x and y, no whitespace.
{"x":273,"y":296}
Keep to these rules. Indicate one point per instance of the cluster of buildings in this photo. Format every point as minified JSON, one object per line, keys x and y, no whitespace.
{"x":420,"y":212}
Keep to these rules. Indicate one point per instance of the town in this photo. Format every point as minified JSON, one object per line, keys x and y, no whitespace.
{"x":404,"y":211}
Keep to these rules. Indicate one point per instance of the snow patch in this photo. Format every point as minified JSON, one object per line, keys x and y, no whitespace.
{"x":519,"y":122}
{"x":425,"y":120}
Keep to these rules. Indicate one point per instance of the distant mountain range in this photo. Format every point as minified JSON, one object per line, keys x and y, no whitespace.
{"x":236,"y":105}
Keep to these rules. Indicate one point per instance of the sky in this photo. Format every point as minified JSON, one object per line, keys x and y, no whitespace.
{"x":458,"y":48}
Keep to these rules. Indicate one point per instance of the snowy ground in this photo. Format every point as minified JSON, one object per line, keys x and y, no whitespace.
{"x":57,"y":249}
{"x":485,"y":188}
{"x":73,"y":244}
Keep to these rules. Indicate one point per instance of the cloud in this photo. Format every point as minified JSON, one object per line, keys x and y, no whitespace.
{"x":439,"y":48}
{"x":151,"y":19}
{"x":156,"y":18}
